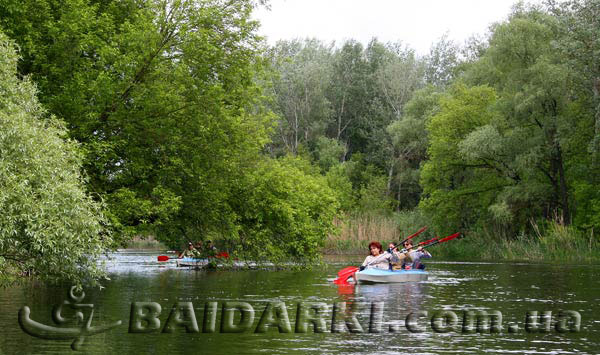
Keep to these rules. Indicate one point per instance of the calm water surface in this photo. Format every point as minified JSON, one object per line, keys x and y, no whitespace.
{"x":512,"y":289}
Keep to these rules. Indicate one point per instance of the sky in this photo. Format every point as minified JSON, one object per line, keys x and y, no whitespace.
{"x":417,"y":23}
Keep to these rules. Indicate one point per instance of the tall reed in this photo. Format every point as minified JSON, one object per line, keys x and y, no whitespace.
{"x":548,"y":241}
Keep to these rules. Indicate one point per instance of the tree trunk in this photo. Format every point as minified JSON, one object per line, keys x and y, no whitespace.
{"x":595,"y":146}
{"x":389,"y":182}
{"x":564,"y":193}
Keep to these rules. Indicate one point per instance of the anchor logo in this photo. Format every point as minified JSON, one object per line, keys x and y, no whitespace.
{"x":78,"y":334}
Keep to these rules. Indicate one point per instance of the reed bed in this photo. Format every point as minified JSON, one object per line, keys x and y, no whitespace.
{"x":550,"y":241}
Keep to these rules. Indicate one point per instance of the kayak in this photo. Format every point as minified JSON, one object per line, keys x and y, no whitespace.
{"x":191,"y":262}
{"x":387,"y":276}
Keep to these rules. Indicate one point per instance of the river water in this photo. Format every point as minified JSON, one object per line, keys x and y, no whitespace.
{"x":394,"y":318}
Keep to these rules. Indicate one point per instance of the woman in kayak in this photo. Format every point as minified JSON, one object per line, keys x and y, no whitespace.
{"x":378,"y":259}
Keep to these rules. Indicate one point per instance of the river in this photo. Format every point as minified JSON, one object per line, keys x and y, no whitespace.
{"x":377,"y":319}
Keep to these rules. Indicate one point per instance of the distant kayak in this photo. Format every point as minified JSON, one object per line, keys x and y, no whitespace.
{"x":200,"y":263}
{"x":191,"y":262}
{"x":387,"y":276}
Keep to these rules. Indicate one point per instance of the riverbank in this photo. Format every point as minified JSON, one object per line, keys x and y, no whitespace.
{"x":549,"y":243}
{"x":553,"y":242}
{"x":145,"y":243}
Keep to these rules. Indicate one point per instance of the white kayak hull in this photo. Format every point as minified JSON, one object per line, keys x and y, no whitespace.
{"x":389,"y":276}
{"x":191,"y":262}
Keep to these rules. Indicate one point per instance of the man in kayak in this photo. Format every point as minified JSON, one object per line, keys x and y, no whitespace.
{"x":411,"y":259}
{"x":190,"y":252}
{"x":378,"y":259}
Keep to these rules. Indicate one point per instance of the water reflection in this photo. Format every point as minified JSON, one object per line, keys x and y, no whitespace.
{"x":137,"y":276}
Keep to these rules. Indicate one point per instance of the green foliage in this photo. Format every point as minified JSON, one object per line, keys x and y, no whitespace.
{"x":442,"y":62}
{"x":339,"y":181}
{"x":514,"y":152}
{"x":49,"y":226}
{"x":175,"y":102}
{"x":408,"y":144}
{"x":163,"y":97}
{"x":454,"y":194}
{"x":302,"y":72}
{"x":329,"y":152}
{"x":285,"y":211}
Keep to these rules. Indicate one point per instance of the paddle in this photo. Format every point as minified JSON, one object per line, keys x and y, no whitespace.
{"x":344,"y":274}
{"x":431,"y":242}
{"x":412,"y":236}
{"x":437,"y":240}
{"x":443,"y":240}
{"x":346,"y":270}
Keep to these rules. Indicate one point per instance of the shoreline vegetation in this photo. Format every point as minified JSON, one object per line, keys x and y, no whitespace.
{"x":550,"y":241}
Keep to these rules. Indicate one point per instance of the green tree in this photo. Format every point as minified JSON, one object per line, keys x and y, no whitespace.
{"x":348,"y":94}
{"x":579,"y":47}
{"x":534,"y":87}
{"x":49,"y":226}
{"x":409,"y":139}
{"x":285,"y":210}
{"x":302,"y":72}
{"x":509,"y":142}
{"x":162,"y":95}
{"x":442,"y":62}
{"x":456,"y":192}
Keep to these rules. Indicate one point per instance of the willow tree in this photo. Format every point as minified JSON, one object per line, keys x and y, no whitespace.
{"x":49,"y":226}
{"x":518,"y":163}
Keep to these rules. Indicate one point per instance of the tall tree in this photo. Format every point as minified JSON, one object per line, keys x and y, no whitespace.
{"x":579,"y":48}
{"x":399,"y":75}
{"x":442,"y":62}
{"x":348,"y":95}
{"x":300,"y":83}
{"x":516,"y":161}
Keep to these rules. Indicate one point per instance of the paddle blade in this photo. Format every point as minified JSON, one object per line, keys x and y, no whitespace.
{"x":163,"y":258}
{"x":416,"y":234}
{"x":344,"y":274}
{"x":223,"y":254}
{"x":346,"y":270}
{"x":450,"y":237}
{"x":428,"y":241}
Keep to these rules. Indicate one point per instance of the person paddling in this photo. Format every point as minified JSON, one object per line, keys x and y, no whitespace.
{"x":190,"y":252}
{"x":378,"y":259}
{"x":412,"y":258}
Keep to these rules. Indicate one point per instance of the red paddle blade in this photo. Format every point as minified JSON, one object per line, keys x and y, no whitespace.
{"x":450,"y":237}
{"x":163,"y":258}
{"x":428,"y":241}
{"x":339,"y":281}
{"x":346,"y":270}
{"x":344,"y":274}
{"x":416,"y":234}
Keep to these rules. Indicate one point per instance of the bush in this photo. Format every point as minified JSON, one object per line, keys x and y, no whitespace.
{"x":285,"y":211}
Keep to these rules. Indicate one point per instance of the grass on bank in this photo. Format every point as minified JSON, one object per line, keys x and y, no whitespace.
{"x":356,"y":232}
{"x":145,"y":243}
{"x":552,"y":241}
